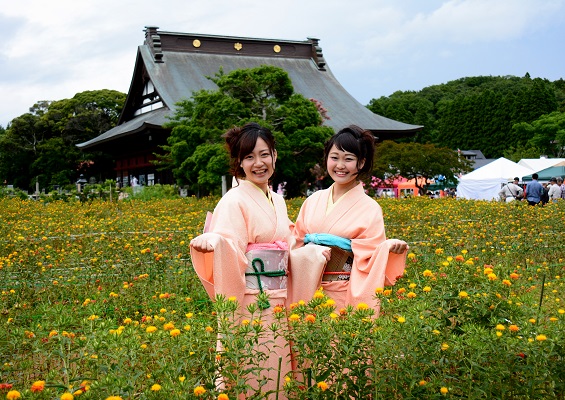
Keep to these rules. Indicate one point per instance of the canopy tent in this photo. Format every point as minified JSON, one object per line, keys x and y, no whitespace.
{"x":484,"y":183}
{"x":537,"y":164}
{"x":548,"y":173}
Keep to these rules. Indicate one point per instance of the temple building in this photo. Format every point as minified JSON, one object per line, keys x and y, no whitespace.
{"x":171,"y":66}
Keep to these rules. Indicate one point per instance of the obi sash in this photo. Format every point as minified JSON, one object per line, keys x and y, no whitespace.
{"x":268,"y":266}
{"x":340,"y":263}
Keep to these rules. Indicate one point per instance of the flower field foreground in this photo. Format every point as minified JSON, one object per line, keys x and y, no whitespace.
{"x":99,"y":301}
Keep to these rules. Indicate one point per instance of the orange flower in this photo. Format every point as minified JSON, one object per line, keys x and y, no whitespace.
{"x":38,"y":386}
{"x":13,"y":395}
{"x":310,"y":318}
{"x":199,"y":391}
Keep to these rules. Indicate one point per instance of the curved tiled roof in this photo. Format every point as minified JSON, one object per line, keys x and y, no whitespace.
{"x":178,"y":64}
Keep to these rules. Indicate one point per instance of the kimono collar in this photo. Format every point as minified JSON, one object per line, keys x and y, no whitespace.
{"x":331,"y":203}
{"x":267,"y":195}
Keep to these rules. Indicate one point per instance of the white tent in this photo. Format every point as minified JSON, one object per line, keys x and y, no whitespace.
{"x":484,"y":183}
{"x":537,"y":164}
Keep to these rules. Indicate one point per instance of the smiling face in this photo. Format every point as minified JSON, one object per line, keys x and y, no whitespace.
{"x":259,"y":165}
{"x":342,"y":167}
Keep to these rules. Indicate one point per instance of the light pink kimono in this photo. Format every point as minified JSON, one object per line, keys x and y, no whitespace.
{"x":244,"y":216}
{"x":359,"y":218}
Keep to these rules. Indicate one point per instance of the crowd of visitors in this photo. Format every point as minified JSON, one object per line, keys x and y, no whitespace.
{"x":534,"y":192}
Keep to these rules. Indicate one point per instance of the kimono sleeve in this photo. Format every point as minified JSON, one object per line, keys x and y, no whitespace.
{"x":371,"y":249}
{"x":222,"y":271}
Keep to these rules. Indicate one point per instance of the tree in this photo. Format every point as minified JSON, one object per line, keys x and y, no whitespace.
{"x":408,"y":107}
{"x":195,"y":151}
{"x":41,"y":145}
{"x":474,"y":112}
{"x":547,"y":133}
{"x":517,"y":153}
{"x":415,"y":160}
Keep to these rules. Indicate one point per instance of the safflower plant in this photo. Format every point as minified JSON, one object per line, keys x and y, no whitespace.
{"x":98,"y":300}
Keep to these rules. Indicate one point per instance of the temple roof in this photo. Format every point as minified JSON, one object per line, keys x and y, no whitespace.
{"x":174,"y":65}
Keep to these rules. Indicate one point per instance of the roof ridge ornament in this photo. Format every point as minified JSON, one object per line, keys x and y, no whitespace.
{"x":153,"y":40}
{"x":320,"y":61}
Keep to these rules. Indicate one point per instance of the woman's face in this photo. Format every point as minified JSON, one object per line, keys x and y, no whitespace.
{"x":259,"y":165}
{"x":342,"y":166}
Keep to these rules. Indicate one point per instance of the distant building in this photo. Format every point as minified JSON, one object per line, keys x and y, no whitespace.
{"x":477,"y":157}
{"x":171,"y":66}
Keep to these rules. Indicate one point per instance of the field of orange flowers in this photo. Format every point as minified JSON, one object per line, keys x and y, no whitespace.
{"x":98,"y":300}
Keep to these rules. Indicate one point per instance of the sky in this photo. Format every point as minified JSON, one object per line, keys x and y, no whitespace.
{"x":51,"y":50}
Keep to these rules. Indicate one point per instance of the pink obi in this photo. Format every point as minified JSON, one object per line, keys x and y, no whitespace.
{"x":268,"y":266}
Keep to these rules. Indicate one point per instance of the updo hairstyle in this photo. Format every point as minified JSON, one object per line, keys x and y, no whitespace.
{"x":242,"y":140}
{"x":355,"y":140}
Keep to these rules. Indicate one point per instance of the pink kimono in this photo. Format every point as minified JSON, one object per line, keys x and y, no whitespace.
{"x":245,"y":216}
{"x":359,"y":218}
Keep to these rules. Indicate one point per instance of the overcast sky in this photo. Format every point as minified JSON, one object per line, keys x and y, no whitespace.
{"x":51,"y":50}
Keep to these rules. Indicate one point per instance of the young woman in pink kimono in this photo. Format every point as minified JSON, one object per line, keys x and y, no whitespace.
{"x":248,"y":233}
{"x":343,"y":216}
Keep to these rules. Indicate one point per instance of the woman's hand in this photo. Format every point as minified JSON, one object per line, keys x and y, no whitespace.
{"x":398,"y":246}
{"x":201,"y":244}
{"x":327,"y":252}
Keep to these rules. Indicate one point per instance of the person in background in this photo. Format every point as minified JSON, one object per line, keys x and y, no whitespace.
{"x":554,"y":192}
{"x":544,"y":199}
{"x":250,"y":226}
{"x":561,"y":186}
{"x":349,"y":222}
{"x":534,"y":190}
{"x":511,"y":191}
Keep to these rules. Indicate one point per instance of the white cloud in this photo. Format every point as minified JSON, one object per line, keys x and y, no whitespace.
{"x":53,"y":50}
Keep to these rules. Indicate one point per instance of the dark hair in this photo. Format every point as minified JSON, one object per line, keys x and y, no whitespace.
{"x":358,"y":141}
{"x":242,"y":140}
{"x":535,"y":176}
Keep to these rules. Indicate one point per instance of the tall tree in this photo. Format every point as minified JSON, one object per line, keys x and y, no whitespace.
{"x":195,"y":150}
{"x":416,"y":160}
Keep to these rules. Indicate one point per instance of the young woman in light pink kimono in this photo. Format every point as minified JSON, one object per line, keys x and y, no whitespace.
{"x":249,"y":222}
{"x":344,"y":216}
